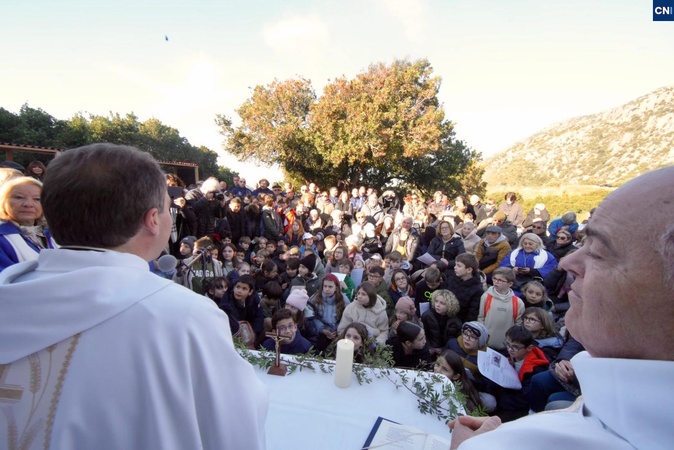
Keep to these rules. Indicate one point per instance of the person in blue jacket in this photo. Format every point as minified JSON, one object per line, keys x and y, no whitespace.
{"x":22,"y":226}
{"x":529,"y":260}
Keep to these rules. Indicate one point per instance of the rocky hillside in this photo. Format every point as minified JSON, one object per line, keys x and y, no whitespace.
{"x":607,"y":148}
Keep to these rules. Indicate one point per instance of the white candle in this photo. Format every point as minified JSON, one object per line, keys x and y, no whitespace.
{"x":344,"y":365}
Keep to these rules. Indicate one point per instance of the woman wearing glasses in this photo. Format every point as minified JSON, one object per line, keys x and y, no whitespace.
{"x":563,"y":244}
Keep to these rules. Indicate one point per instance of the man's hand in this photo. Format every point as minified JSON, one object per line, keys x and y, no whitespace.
{"x":465,"y":427}
{"x":565,"y":370}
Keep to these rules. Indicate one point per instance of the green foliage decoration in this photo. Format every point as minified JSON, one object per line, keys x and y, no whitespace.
{"x":435,"y":394}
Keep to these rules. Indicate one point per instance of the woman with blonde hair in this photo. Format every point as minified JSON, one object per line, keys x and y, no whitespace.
{"x":529,"y":261}
{"x":22,"y":226}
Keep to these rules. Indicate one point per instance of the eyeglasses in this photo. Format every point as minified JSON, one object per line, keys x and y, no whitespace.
{"x":531,"y":319}
{"x":374,"y":276}
{"x":284,"y":328}
{"x":538,"y":228}
{"x":513,"y":347}
{"x":469,"y":337}
{"x":400,"y":279}
{"x":561,"y":238}
{"x":499,"y":280}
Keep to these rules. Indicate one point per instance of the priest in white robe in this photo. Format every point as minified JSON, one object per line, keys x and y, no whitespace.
{"x":98,"y":352}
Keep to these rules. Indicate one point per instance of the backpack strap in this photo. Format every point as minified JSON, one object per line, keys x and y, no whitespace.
{"x":487,"y":305}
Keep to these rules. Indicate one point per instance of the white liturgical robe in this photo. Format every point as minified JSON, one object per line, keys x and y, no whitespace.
{"x":626,"y":404}
{"x":98,"y":352}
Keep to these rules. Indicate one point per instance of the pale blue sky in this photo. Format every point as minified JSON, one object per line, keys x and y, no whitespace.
{"x":509,"y":68}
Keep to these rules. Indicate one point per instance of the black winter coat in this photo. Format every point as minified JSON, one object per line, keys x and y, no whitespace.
{"x":439,"y":329}
{"x":468,"y":293}
{"x":449,"y":250}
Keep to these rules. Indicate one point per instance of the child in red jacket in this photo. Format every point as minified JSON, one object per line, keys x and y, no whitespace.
{"x":528,"y":360}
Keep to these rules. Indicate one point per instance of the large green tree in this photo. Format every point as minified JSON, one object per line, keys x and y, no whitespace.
{"x":274,"y":129}
{"x":383,"y":127}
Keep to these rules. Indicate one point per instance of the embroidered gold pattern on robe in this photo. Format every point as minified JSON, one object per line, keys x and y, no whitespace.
{"x":29,"y":394}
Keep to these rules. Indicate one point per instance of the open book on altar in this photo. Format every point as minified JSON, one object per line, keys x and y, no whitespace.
{"x":386,"y":434}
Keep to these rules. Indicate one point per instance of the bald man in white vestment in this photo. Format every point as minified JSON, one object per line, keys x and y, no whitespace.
{"x":96,"y":352}
{"x":622,"y":311}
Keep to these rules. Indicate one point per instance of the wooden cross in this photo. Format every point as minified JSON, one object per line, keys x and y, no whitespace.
{"x":278,"y":368}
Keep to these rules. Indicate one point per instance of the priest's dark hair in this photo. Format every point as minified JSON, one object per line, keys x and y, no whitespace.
{"x":98,"y":195}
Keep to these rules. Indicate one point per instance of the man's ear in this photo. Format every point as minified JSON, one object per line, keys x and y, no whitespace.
{"x":151,"y":221}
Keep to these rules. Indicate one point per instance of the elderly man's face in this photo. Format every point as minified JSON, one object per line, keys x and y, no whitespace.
{"x":372,"y":200}
{"x":620,"y":305}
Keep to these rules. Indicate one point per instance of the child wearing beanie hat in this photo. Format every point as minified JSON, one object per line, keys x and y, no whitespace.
{"x":303,"y":313}
{"x":479,"y":330}
{"x":298,"y":299}
{"x":306,"y":277}
{"x":474,"y":336}
{"x":309,"y":262}
{"x":187,"y":246}
{"x":404,"y":310}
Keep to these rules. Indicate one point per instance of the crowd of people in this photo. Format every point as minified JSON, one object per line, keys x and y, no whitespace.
{"x":434,"y":281}
{"x":422,"y":277}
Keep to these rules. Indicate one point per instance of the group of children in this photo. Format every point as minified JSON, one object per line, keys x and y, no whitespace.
{"x":436,"y":319}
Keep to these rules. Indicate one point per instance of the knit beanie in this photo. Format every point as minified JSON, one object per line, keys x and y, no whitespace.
{"x":298,"y":298}
{"x":189,"y":240}
{"x":500,"y":216}
{"x":406,"y":305}
{"x":479,"y":329}
{"x":309,"y":262}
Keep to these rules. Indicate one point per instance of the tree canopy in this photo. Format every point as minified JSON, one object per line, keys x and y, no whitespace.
{"x":37,"y":127}
{"x":384,"y":127}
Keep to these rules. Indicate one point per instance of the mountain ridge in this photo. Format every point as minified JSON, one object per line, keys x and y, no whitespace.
{"x":593,"y":149}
